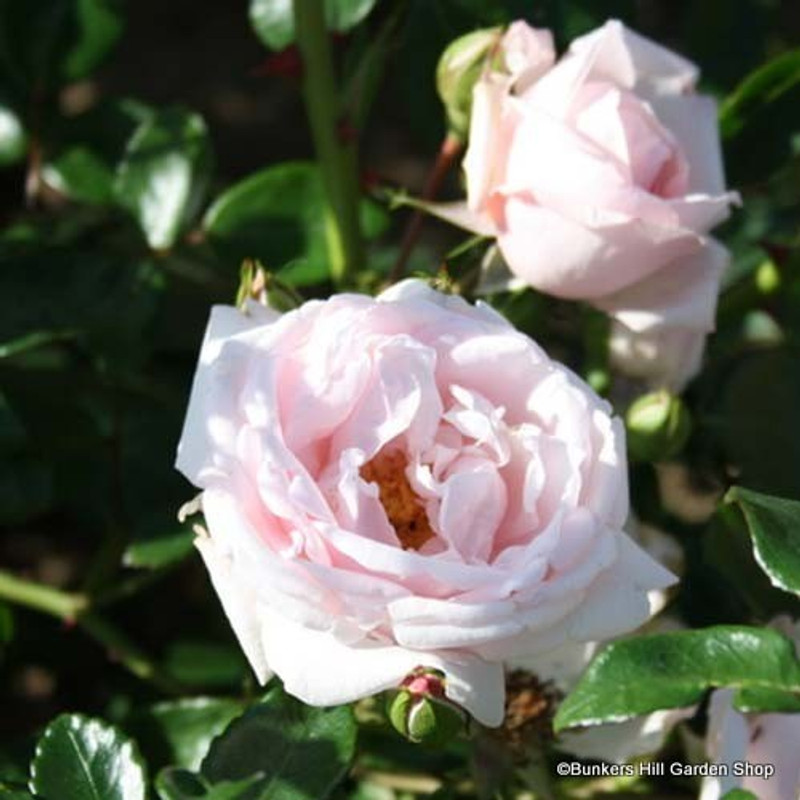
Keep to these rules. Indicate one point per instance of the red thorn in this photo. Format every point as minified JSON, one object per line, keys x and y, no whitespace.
{"x":369,"y":179}
{"x":285,"y":64}
{"x":346,"y":131}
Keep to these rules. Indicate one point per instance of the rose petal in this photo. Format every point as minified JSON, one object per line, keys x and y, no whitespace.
{"x":321,"y":671}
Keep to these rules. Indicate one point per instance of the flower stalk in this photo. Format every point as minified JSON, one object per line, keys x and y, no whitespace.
{"x":336,"y":157}
{"x":75,"y":609}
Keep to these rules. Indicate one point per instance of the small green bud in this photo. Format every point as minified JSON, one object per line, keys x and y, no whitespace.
{"x":460,"y":66}
{"x":768,"y":277}
{"x":420,"y":711}
{"x":253,"y":283}
{"x":658,"y":425}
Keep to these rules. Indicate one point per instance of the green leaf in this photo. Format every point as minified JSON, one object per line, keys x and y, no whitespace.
{"x":766,"y":700}
{"x":179,"y":784}
{"x":159,"y":551}
{"x":9,"y":792}
{"x":63,"y":41}
{"x":759,"y":431}
{"x":83,"y":161}
{"x":739,"y":794}
{"x":759,"y":118}
{"x":86,"y":759}
{"x":774,"y":527}
{"x":672,"y":670}
{"x":164,"y":173}
{"x":13,"y":141}
{"x":180,"y":732}
{"x":273,"y":20}
{"x":766,"y":85}
{"x":90,"y":292}
{"x":736,"y":576}
{"x":26,"y":488}
{"x":280,"y":738}
{"x":206,"y":664}
{"x":276,"y":216}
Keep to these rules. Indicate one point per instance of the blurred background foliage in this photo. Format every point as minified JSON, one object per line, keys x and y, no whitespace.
{"x":146,"y":148}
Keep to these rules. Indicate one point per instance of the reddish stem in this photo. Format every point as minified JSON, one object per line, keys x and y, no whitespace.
{"x":448,"y":153}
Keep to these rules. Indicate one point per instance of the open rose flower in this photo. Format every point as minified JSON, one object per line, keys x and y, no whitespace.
{"x":600,"y":180}
{"x":736,"y":738}
{"x":641,"y":736}
{"x":406,"y":481}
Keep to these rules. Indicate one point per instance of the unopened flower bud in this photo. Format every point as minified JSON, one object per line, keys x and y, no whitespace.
{"x":421,"y":712}
{"x":458,"y":70}
{"x":768,"y":277}
{"x":253,"y":281}
{"x":658,"y":426}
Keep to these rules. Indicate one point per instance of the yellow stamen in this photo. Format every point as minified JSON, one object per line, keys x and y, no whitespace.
{"x":403,"y":508}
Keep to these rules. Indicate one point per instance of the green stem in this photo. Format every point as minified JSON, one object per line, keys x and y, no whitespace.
{"x":74,"y":608}
{"x":337,"y":161}
{"x":120,"y":647}
{"x":40,"y":597}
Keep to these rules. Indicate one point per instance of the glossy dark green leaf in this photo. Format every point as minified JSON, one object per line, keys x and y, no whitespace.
{"x":280,"y":738}
{"x":64,"y":40}
{"x":273,"y":20}
{"x":276,"y":216}
{"x":671,"y":670}
{"x":774,"y":527}
{"x":92,"y":293}
{"x":86,"y":151}
{"x":728,"y":549}
{"x":180,"y":784}
{"x":179,"y":732}
{"x":86,"y":759}
{"x":164,"y":173}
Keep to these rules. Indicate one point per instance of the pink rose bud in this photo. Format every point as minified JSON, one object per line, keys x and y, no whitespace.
{"x":601,"y":178}
{"x":420,"y":711}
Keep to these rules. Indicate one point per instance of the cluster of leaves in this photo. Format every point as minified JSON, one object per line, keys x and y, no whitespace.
{"x":105,"y":284}
{"x":214,"y":749}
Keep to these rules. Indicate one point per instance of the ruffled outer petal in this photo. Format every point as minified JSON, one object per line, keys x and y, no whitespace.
{"x":204,"y":430}
{"x":320,"y":670}
{"x":238,"y":601}
{"x":681,"y":295}
{"x":618,"y":54}
{"x":596,"y":262}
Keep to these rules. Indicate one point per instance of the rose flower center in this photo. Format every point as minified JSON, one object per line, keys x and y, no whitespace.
{"x":403,"y":508}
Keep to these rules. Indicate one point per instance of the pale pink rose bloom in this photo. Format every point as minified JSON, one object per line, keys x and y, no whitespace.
{"x":601,"y":181}
{"x":642,"y":736}
{"x":527,"y":52}
{"x":406,"y":481}
{"x":754,"y":739}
